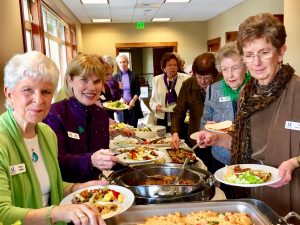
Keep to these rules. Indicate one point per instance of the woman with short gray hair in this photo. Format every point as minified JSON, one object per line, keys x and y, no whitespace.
{"x":30,"y":179}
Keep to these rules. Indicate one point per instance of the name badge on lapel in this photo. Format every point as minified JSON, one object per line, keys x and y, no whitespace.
{"x":292,"y":125}
{"x":102,"y":97}
{"x":224,"y":99}
{"x":17,"y":169}
{"x":73,"y":135}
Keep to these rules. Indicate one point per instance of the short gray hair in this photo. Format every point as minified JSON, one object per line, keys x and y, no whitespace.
{"x":109,"y":60}
{"x":34,"y":65}
{"x":122,"y":56}
{"x":229,"y":50}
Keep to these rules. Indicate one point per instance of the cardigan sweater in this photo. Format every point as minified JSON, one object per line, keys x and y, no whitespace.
{"x":21,"y":192}
{"x":159,"y":91}
{"x":81,"y":131}
{"x":218,"y":108}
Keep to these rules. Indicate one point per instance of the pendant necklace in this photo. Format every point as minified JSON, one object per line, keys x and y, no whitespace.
{"x":34,"y":156}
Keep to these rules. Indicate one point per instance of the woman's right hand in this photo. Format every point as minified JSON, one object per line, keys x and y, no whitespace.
{"x":175,"y":141}
{"x":79,"y":214}
{"x":103,"y":159}
{"x":159,"y":108}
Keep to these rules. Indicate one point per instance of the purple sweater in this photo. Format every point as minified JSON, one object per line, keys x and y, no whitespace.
{"x":81,"y":131}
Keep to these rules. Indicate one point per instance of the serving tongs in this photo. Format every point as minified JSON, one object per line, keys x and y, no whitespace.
{"x":145,"y":175}
{"x":181,"y":171}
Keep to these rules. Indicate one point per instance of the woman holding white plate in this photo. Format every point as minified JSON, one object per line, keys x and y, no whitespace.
{"x":267,"y":125}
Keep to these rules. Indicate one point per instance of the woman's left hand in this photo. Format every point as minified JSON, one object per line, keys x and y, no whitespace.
{"x":285,"y":171}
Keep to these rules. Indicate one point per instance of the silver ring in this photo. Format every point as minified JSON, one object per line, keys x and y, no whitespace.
{"x":81,"y":216}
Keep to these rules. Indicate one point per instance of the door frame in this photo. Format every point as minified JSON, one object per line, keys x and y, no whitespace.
{"x":145,"y":45}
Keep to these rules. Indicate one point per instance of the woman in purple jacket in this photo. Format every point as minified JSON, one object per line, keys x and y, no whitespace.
{"x":82,"y":128}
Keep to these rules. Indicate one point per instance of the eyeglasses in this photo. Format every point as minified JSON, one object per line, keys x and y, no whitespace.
{"x":233,"y":69}
{"x":263,"y":55}
{"x":205,"y":77}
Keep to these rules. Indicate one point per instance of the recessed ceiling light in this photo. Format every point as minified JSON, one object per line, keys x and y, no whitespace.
{"x":167,"y":1}
{"x":94,"y":1}
{"x":101,"y":20}
{"x":161,"y":19}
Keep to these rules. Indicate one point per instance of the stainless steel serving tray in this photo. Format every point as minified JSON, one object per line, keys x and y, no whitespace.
{"x":138,"y":214}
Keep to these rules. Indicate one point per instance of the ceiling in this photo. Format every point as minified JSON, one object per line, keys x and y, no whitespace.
{"x":131,"y":11}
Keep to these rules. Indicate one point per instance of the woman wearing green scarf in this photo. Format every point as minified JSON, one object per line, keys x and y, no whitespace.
{"x":221,"y":99}
{"x":31,"y":187}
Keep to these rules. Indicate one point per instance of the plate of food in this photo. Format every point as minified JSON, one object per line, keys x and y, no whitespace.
{"x":116,"y":105}
{"x":140,"y":154}
{"x":179,"y":155}
{"x":222,"y":127}
{"x":110,"y":200}
{"x":194,"y":135}
{"x":169,"y":108}
{"x":248,"y":175}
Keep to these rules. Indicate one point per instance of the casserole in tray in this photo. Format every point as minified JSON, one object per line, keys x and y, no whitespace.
{"x":138,"y":214}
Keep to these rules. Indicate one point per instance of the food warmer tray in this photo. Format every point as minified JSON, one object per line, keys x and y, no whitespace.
{"x":259,"y":212}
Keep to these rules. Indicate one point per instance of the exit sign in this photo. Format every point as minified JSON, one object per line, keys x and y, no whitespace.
{"x":140,"y":25}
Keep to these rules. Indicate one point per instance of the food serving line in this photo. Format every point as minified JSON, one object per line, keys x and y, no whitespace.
{"x":184,"y":202}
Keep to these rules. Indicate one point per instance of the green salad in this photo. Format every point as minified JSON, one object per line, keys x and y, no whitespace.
{"x":117,"y":104}
{"x":244,"y":178}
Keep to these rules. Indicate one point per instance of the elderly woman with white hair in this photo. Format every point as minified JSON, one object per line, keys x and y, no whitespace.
{"x":30,"y":179}
{"x":130,"y":85}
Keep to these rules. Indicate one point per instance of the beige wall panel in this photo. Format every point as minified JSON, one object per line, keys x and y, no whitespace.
{"x":291,"y":18}
{"x":230,"y":20}
{"x":11,"y":41}
{"x":101,"y":39}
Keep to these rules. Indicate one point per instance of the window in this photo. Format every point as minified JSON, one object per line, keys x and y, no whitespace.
{"x":54,"y":35}
{"x":44,"y":30}
{"x":28,"y":28}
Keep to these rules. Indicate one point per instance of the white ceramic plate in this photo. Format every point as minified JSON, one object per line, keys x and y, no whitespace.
{"x":216,"y":131}
{"x":106,"y":105}
{"x":128,"y":199}
{"x":194,"y":135}
{"x":219,"y":175}
{"x":124,"y":158}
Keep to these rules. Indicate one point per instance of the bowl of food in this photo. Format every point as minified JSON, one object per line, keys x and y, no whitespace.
{"x":145,"y":132}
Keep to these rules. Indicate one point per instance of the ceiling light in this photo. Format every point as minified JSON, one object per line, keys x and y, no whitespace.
{"x":161,"y":19}
{"x":101,"y":20}
{"x":167,"y":1}
{"x":94,"y":1}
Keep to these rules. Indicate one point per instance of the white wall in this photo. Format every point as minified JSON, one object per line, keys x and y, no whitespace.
{"x":291,"y":21}
{"x":11,"y":41}
{"x":230,"y":20}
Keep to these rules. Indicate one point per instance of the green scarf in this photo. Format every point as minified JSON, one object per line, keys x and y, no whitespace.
{"x":233,"y":94}
{"x":24,"y":190}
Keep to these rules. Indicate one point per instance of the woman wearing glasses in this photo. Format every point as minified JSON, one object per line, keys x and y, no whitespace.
{"x":191,"y":98}
{"x":267,"y":125}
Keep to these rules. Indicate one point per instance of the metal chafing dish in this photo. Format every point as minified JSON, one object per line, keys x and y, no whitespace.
{"x":148,"y":194}
{"x":260,"y":213}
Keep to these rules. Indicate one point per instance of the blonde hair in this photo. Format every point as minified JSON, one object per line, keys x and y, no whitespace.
{"x":83,"y":65}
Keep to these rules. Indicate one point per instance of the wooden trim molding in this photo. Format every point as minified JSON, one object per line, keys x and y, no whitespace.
{"x":146,"y":45}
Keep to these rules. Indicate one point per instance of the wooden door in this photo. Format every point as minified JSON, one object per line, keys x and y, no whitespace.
{"x":157,"y":55}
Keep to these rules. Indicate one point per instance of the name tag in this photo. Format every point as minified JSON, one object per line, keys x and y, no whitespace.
{"x":224,"y":99}
{"x":73,"y":135}
{"x":17,"y":169}
{"x":102,"y":97}
{"x":292,"y":125}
